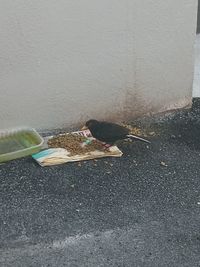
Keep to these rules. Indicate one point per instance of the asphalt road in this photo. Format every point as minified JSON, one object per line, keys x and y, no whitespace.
{"x":128,"y":211}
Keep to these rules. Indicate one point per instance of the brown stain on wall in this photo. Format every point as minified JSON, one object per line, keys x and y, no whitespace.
{"x":133,"y":106}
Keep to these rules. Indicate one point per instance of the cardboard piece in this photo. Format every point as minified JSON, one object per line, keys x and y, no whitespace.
{"x":55,"y":156}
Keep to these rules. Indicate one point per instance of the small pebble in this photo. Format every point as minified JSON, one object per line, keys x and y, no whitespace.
{"x":162,"y":163}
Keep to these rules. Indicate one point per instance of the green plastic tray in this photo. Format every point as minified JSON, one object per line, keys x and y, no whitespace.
{"x":19,"y":143}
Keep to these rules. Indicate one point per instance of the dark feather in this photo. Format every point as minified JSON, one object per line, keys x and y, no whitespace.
{"x":109,"y":132}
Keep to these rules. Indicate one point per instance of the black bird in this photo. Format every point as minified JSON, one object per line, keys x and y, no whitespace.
{"x":110,"y":132}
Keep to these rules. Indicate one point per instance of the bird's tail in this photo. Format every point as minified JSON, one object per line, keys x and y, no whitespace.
{"x":135,"y":137}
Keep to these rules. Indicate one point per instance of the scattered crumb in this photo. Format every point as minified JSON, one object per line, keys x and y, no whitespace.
{"x":152,"y":133}
{"x":162,"y":163}
{"x":137,"y":131}
{"x":74,"y":144}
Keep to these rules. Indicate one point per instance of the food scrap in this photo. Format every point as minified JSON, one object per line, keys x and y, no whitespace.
{"x":72,"y":143}
{"x":162,"y":163}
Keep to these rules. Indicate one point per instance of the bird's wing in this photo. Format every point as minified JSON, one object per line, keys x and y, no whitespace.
{"x":111,"y":131}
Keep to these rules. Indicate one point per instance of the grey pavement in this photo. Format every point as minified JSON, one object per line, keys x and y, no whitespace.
{"x":128,"y":211}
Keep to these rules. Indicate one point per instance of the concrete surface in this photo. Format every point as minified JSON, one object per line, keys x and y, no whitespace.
{"x":131,"y":211}
{"x":198,"y":17}
{"x":62,"y":62}
{"x":196,"y":83}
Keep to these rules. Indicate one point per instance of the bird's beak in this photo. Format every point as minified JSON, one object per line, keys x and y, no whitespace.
{"x":84,"y":128}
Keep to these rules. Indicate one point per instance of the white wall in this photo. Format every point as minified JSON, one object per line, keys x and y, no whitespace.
{"x":64,"y":61}
{"x":196,"y":82}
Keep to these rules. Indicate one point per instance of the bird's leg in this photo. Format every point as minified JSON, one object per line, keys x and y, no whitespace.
{"x":107,"y":145}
